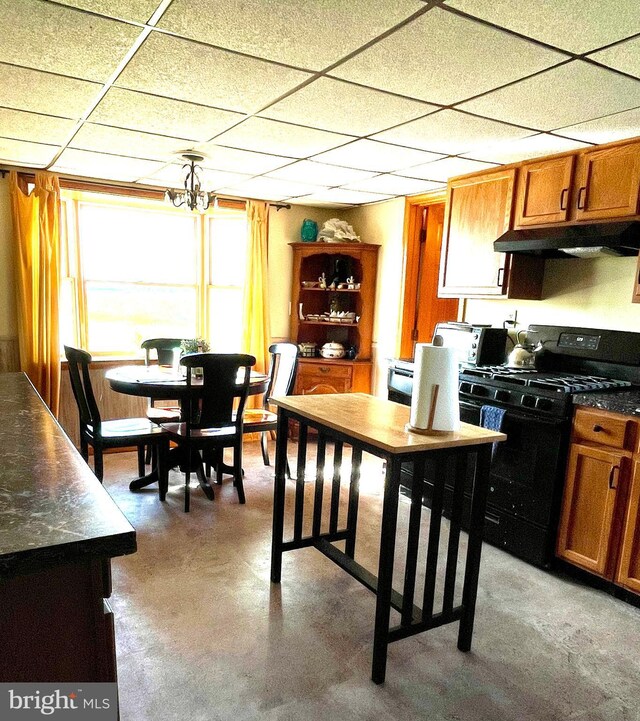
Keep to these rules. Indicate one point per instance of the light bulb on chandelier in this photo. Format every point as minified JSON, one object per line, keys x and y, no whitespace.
{"x":193,"y":197}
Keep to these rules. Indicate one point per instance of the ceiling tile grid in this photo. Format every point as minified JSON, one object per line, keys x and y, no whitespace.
{"x":445,"y":59}
{"x":296,"y":32}
{"x":333,"y":104}
{"x":163,"y":116}
{"x":62,"y":40}
{"x":185,"y":70}
{"x":574,"y":25}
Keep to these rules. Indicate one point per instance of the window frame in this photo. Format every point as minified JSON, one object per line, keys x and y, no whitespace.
{"x":75,"y":192}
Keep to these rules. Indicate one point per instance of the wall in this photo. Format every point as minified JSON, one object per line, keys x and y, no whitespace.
{"x":589,"y":293}
{"x":383,"y":223}
{"x":8,"y":321}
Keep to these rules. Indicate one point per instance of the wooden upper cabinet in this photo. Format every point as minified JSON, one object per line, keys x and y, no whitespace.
{"x":586,"y":536}
{"x":478,"y":211}
{"x":608,"y":183}
{"x":544,"y":190}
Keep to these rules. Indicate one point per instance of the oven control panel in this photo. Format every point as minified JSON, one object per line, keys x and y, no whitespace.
{"x":578,"y":340}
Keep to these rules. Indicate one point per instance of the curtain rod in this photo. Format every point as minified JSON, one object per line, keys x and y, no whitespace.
{"x":143,"y":191}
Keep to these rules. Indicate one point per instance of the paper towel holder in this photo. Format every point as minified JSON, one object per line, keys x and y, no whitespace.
{"x":429,"y":430}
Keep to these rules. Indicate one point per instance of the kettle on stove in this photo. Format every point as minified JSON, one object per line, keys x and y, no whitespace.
{"x":523,"y":354}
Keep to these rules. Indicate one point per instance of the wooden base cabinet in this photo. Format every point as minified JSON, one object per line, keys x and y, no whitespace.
{"x":316,"y":375}
{"x":599,"y":521}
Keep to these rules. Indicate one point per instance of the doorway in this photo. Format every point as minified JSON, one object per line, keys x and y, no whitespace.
{"x":422,"y":309}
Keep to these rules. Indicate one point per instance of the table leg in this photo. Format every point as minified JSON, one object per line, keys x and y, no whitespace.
{"x":474,"y":547}
{"x":385,"y":569}
{"x":278,"y":497}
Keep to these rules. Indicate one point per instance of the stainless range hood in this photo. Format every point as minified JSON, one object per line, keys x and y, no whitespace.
{"x":573,"y":241}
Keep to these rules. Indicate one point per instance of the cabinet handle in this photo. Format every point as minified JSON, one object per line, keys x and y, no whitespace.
{"x":612,"y":473}
{"x":324,"y":369}
{"x":597,"y":429}
{"x":500,"y":277}
{"x":563,"y":198}
{"x":580,"y":192}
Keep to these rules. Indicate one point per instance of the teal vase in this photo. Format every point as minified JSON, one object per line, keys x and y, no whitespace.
{"x":309,"y":230}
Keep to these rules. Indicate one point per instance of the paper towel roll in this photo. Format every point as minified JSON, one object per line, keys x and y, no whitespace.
{"x":435,"y":366}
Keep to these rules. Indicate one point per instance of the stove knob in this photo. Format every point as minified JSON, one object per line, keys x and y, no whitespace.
{"x":544,"y":404}
{"x":502,"y":395}
{"x":465,"y":387}
{"x":528,"y":401}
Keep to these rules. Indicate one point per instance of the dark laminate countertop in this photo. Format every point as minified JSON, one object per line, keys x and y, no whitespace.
{"x":625,"y":402}
{"x":52,"y":508}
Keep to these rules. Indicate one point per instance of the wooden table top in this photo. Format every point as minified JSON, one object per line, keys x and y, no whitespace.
{"x":379,"y":422}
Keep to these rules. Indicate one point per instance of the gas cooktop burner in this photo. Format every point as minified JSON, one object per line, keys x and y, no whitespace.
{"x":560,"y":382}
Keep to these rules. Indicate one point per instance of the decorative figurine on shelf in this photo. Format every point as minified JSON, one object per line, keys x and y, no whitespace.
{"x":350,"y":283}
{"x":323,"y":281}
{"x":309,"y":231}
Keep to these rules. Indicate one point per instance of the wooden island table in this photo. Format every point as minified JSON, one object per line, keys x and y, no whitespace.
{"x":376,"y":426}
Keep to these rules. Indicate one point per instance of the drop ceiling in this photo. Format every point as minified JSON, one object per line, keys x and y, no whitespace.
{"x":316,"y":102}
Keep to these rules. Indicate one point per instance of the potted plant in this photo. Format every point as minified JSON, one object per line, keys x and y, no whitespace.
{"x":195,"y":345}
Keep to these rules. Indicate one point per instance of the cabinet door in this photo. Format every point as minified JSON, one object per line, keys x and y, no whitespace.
{"x":628,"y":573}
{"x":478,"y":212}
{"x":586,"y":534}
{"x":543,"y":191}
{"x":608,"y":183}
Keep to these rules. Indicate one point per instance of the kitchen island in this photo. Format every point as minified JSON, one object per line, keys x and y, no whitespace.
{"x":59,"y":528}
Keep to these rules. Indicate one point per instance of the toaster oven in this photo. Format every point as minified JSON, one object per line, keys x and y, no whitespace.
{"x":478,"y":345}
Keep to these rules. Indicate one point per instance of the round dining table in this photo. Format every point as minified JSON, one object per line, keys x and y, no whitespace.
{"x":162,"y":382}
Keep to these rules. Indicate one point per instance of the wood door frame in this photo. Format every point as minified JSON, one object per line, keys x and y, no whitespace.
{"x":411,"y":264}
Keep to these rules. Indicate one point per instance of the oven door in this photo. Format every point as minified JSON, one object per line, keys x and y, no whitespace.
{"x":527,"y":470}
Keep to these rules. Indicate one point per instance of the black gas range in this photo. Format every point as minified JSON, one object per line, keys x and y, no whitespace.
{"x":527,"y":471}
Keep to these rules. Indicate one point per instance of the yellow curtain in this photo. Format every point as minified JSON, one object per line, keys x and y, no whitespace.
{"x":256,"y":327}
{"x":36,"y":225}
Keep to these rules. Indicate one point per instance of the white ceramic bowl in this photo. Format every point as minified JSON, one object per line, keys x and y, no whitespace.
{"x":332,"y":350}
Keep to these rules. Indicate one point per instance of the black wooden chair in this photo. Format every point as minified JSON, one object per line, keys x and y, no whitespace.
{"x":282,"y":378}
{"x":211,"y":425}
{"x":121,"y":433}
{"x":160,"y":411}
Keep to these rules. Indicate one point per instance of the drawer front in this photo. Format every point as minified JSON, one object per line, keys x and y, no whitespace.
{"x":595,"y":426}
{"x":326,"y":370}
{"x":317,"y":384}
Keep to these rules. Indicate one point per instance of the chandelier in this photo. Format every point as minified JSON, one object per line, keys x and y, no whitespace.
{"x":192,"y":196}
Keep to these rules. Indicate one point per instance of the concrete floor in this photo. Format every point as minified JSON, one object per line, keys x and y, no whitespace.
{"x":203,"y":635}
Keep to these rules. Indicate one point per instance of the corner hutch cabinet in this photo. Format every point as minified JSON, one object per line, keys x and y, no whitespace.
{"x":310,"y":261}
{"x":599,"y":523}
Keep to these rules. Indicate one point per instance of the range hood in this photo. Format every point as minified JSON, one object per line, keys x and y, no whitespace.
{"x":573,"y":241}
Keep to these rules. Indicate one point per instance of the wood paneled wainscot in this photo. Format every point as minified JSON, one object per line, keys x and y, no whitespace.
{"x":599,"y":525}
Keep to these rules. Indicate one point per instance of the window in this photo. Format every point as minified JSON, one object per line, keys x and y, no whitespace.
{"x":135,"y":269}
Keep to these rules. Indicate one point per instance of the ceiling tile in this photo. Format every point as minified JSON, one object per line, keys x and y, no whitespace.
{"x":26,"y":89}
{"x":269,"y":189}
{"x":20,"y":152}
{"x":346,"y":197}
{"x":375,"y":156}
{"x":572,"y":93}
{"x":62,"y":40}
{"x":136,"y":10}
{"x":241,"y":161}
{"x":309,"y":171}
{"x":444,"y":58}
{"x":276,"y":137}
{"x":343,"y":107}
{"x":31,"y":126}
{"x":624,"y":56}
{"x":451,"y":132}
{"x":184,"y":70}
{"x":574,"y":25}
{"x":173,"y":176}
{"x":445,"y":169}
{"x":534,"y":146}
{"x":391,"y":185}
{"x":104,"y":139}
{"x":605,"y":130}
{"x":314,"y":203}
{"x":152,"y":114}
{"x":107,"y":167}
{"x":297,"y":32}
